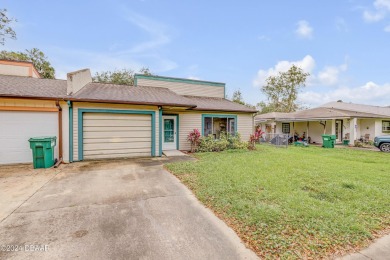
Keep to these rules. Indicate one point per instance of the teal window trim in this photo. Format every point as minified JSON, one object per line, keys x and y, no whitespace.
{"x":70,"y":131}
{"x":180,"y":80}
{"x":177,"y":129}
{"x":160,"y":132}
{"x":81,"y":111}
{"x":220,"y":116}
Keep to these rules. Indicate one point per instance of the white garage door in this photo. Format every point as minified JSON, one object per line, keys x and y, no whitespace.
{"x":16,"y":127}
{"x":116,"y":135}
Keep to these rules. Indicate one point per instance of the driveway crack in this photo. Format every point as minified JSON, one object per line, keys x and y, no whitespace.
{"x":54,"y":175}
{"x":96,"y":204}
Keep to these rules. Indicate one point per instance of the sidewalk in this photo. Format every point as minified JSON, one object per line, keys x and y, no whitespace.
{"x":378,"y":250}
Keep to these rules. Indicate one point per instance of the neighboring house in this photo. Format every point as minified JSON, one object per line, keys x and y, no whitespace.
{"x":95,"y":120}
{"x":345,"y":120}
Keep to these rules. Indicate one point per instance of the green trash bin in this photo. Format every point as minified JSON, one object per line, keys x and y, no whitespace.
{"x":327,"y":141}
{"x":333,"y":138}
{"x":345,"y":142}
{"x":43,"y":151}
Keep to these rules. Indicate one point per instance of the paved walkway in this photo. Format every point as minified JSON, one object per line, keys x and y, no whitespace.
{"x":379,"y":250}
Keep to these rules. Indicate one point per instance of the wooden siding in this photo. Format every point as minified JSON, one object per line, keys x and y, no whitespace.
{"x":193,"y":120}
{"x":116,"y":135}
{"x":27,"y":102}
{"x":187,"y":123}
{"x":245,"y":125}
{"x":78,"y":105}
{"x":182,"y":88}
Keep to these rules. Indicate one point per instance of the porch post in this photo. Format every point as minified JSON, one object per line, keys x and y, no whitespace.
{"x":353,"y":129}
{"x":307,"y":131}
{"x":333,"y":127}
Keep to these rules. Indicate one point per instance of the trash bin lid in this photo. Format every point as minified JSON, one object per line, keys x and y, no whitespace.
{"x":42,"y":139}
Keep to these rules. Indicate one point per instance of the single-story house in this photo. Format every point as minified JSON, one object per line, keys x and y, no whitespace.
{"x":345,"y":120}
{"x":96,"y":120}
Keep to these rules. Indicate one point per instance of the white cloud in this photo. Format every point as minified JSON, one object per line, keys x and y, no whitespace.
{"x":341,"y":24}
{"x":307,"y":64}
{"x":387,"y":28}
{"x":144,"y":53}
{"x":369,"y":93}
{"x":373,"y":16}
{"x":381,"y":9}
{"x":264,"y":38}
{"x":157,"y":31}
{"x":304,"y":29}
{"x":385,"y":4}
{"x":330,"y":74}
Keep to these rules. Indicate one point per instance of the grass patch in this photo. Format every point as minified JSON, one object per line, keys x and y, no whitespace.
{"x":295,"y":202}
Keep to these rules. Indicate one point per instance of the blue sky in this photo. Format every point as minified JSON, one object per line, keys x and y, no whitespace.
{"x":344,"y":45}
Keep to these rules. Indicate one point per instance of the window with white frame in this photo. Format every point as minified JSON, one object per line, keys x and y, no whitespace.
{"x":285,"y":128}
{"x":385,"y":126}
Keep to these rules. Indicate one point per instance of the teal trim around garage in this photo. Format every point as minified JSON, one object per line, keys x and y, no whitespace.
{"x":220,"y":116}
{"x":170,"y":79}
{"x":160,"y":132}
{"x":177,"y":132}
{"x":177,"y":129}
{"x":70,"y":131}
{"x":81,"y":111}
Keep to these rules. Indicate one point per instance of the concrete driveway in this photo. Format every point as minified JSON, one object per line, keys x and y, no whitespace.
{"x":125,"y":209}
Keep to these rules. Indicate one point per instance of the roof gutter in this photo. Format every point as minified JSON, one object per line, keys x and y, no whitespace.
{"x":131,"y":102}
{"x":60,"y":152}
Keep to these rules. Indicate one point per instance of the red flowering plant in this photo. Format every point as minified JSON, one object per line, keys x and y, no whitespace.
{"x":253,"y":139}
{"x":194,"y":138}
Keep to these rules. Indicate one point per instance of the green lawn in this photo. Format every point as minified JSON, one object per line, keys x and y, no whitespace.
{"x":297,"y":202}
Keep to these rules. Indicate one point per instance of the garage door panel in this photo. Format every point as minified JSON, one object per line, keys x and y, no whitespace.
{"x":121,"y":134}
{"x":121,"y":122}
{"x":112,"y":156}
{"x":115,"y":128}
{"x":111,"y":116}
{"x":117,"y":151}
{"x":116,"y":135}
{"x":121,"y":145}
{"x":114,"y":140}
{"x":19,"y":126}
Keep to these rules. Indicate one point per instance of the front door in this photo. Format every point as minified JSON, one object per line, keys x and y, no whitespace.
{"x":339,"y":130}
{"x":169,"y":133}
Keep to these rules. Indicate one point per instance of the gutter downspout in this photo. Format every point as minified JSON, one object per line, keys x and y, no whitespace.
{"x":70,"y":131}
{"x":59,"y":134}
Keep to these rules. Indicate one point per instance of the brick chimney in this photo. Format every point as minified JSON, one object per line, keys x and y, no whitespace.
{"x":77,"y":80}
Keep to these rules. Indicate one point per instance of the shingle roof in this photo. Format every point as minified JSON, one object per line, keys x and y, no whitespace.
{"x":218,"y":104}
{"x":319,"y":113}
{"x":385,"y":111}
{"x":17,"y":86}
{"x":271,"y":115}
{"x":130,"y":94}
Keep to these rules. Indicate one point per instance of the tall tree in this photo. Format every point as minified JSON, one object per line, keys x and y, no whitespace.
{"x":237,"y":97}
{"x":37,"y":57}
{"x":120,"y":77}
{"x":282,"y":90}
{"x":6,"y":30}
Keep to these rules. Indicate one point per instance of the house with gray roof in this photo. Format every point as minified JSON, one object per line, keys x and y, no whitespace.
{"x":348,"y":121}
{"x":95,"y":120}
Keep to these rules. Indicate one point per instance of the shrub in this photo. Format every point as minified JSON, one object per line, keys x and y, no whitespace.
{"x":226,"y":141}
{"x":194,"y":138}
{"x":253,"y":139}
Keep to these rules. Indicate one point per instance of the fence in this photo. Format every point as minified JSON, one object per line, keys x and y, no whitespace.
{"x":279,"y":140}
